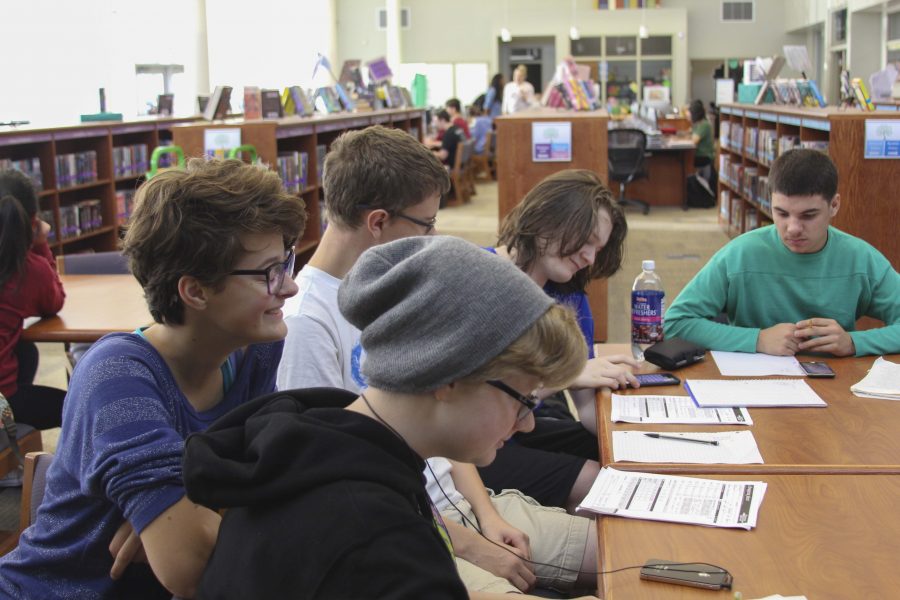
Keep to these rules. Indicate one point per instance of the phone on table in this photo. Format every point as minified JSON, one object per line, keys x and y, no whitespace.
{"x":699,"y":575}
{"x":816,"y":369}
{"x":652,"y":379}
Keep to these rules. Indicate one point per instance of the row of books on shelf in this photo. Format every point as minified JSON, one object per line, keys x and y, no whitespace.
{"x":293,"y":168}
{"x":130,"y":161}
{"x":74,"y":219}
{"x":31,"y":167}
{"x":764,"y":145}
{"x":76,"y":168}
{"x":124,"y":205}
{"x":732,"y":211}
{"x":571,"y":93}
{"x":294,"y":100}
{"x":747,"y":180}
{"x":796,"y":92}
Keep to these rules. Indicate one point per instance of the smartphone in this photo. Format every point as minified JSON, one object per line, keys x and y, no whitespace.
{"x":691,"y":574}
{"x":651,"y":379}
{"x":817,"y":369}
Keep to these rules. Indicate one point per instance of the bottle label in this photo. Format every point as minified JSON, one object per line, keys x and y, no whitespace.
{"x":647,"y":308}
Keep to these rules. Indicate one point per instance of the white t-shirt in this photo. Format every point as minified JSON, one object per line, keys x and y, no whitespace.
{"x":322,"y":350}
{"x":320,"y":344}
{"x":517,"y":97}
{"x":441,"y":479}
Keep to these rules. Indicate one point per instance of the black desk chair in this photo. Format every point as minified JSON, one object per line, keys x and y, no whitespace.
{"x":626,"y":162}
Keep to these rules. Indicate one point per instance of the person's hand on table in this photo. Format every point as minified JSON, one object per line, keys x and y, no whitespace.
{"x":609,"y":371}
{"x":778,"y":340}
{"x":824,"y":335}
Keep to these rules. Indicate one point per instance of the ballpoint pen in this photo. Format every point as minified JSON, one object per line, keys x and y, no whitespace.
{"x":681,"y":439}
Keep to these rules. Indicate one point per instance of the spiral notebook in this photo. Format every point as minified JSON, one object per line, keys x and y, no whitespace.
{"x":765,"y":393}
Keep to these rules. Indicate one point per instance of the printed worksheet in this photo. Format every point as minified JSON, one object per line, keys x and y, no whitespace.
{"x":770,"y":393}
{"x":674,"y":409}
{"x":693,"y":500}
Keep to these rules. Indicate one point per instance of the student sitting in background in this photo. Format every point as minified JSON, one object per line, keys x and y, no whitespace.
{"x":382,"y":185}
{"x":454,"y":109}
{"x":212,"y":248}
{"x":798,"y":285}
{"x":324,"y":487}
{"x":451,"y":137}
{"x":29,"y":287}
{"x":481,"y":124}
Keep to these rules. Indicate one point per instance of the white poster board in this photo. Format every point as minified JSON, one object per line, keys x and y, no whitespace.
{"x":551,"y":141}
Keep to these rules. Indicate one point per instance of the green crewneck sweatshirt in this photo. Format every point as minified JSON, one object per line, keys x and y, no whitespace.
{"x":758,"y":283}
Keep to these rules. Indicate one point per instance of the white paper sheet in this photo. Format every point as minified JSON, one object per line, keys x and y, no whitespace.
{"x":752,"y":392}
{"x":734,"y":448}
{"x":743,"y":364}
{"x":882,"y":381}
{"x":673,"y":409}
{"x":709,"y":502}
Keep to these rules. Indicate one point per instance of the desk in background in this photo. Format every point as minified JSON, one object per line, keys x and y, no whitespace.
{"x":823,"y":536}
{"x":95,"y":305}
{"x":668,"y":168}
{"x":851,"y":434}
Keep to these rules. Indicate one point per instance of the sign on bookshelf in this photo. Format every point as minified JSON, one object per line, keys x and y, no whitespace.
{"x":882,"y":138}
{"x":551,"y":141}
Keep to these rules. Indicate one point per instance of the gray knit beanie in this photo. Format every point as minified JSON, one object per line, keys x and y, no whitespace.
{"x":433,"y":309}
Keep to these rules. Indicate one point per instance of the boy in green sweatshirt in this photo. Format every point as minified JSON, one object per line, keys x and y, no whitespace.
{"x":798,"y":285}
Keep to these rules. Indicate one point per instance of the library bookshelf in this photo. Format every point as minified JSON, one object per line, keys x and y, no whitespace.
{"x":84,"y":174}
{"x":750,"y":139}
{"x":306,"y":140}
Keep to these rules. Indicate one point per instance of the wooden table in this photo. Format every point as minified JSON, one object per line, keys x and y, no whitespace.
{"x":825,"y":536}
{"x":668,"y":168}
{"x":95,"y":305}
{"x":851,"y":434}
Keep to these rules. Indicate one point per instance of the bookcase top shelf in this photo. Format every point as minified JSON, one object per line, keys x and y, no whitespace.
{"x":29,"y":134}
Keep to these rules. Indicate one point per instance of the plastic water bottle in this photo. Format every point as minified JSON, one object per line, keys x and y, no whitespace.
{"x":648,"y":304}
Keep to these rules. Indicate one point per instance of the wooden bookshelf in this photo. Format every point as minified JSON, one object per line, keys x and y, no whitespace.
{"x":301,"y":134}
{"x":867,"y":186}
{"x":517,"y":173}
{"x":269,"y":136}
{"x":57,"y":196}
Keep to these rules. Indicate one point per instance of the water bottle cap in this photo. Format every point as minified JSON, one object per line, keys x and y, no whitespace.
{"x":649,"y":265}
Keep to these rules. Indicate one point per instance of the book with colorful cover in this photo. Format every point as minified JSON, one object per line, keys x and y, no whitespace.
{"x":862,"y":94}
{"x":252,"y":102}
{"x":344,"y":97}
{"x":271,"y":104}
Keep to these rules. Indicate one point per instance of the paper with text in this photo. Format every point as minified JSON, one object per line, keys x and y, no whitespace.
{"x":882,"y":381}
{"x":734,"y":448}
{"x":709,"y":502}
{"x":752,"y":392}
{"x":744,"y":364}
{"x":673,"y":409}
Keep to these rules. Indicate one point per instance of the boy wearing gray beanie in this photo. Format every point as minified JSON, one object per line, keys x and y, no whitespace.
{"x":329,"y":502}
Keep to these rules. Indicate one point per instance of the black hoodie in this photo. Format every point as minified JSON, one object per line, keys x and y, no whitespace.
{"x":322,"y":503}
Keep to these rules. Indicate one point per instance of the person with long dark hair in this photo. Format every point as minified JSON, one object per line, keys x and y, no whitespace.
{"x":493,"y":98}
{"x":29,"y":287}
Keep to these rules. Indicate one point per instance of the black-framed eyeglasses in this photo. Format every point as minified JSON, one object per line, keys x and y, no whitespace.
{"x":274,"y":273}
{"x":428,"y":225}
{"x":530,"y":403}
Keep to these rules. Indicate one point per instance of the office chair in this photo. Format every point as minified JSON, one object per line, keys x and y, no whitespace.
{"x":626,"y":162}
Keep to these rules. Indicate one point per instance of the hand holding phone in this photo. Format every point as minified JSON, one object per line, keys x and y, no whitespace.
{"x":654,"y":379}
{"x":699,"y":575}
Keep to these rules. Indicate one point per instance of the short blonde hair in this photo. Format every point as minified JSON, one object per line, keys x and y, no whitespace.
{"x":552,"y":350}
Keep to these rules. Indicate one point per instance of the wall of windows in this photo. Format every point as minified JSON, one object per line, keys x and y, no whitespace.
{"x":625,"y":65}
